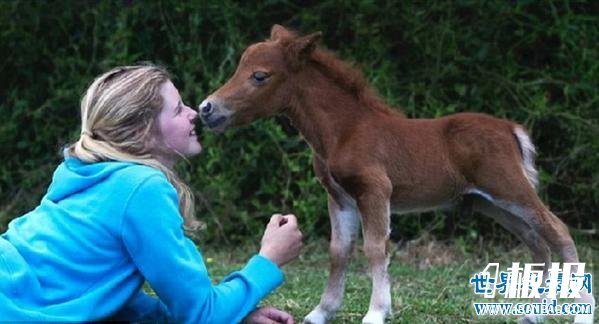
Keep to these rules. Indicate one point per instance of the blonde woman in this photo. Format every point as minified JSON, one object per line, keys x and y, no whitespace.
{"x":114,"y":216}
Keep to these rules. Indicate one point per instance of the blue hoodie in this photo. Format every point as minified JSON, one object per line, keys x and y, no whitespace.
{"x":99,"y":233}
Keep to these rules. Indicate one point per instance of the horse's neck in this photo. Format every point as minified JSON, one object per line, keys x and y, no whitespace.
{"x":323,"y":112}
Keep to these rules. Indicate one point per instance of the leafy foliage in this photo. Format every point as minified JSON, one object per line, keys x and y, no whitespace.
{"x":533,"y":62}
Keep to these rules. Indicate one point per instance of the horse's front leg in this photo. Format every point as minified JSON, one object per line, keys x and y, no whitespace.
{"x":344,"y":229}
{"x":374,"y":206}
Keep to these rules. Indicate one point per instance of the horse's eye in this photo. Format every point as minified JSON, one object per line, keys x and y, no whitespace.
{"x":260,"y":76}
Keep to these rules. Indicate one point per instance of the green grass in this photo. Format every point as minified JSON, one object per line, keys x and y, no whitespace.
{"x":429,"y":280}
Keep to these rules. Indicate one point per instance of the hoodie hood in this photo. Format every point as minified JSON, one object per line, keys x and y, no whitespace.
{"x":73,"y":176}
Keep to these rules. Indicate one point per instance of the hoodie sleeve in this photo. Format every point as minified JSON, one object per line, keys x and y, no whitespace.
{"x":152,"y":232}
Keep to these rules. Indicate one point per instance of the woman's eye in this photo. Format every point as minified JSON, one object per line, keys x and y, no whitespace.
{"x":260,"y":76}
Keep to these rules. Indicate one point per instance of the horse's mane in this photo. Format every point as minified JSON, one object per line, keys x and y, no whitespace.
{"x":349,"y":78}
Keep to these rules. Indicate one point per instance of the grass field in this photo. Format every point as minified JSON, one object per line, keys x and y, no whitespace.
{"x":430,"y":280}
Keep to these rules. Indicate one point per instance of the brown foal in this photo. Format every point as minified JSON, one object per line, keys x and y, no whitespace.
{"x":371,"y":159}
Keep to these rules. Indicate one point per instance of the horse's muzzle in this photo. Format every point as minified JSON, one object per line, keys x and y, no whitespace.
{"x":211,"y":114}
{"x":214,"y":122}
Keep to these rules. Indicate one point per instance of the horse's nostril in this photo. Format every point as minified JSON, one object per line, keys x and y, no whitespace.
{"x":206,"y":109}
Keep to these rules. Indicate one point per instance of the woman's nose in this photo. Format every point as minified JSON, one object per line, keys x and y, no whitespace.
{"x":193,"y":114}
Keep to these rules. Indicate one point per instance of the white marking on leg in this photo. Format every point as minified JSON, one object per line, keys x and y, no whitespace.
{"x":380,"y":300}
{"x":349,"y":223}
{"x":374,"y":317}
{"x":344,"y":228}
{"x":316,"y":316}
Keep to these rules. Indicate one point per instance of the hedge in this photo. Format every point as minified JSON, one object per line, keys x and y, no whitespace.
{"x":535,"y":62}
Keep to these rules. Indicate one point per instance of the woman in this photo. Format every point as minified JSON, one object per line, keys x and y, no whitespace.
{"x":114,"y":217}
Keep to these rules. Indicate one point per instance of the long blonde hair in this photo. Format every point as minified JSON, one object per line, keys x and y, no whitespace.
{"x":118,"y":123}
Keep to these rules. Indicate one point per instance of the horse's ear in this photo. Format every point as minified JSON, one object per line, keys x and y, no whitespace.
{"x":278,"y":32}
{"x":302,"y":47}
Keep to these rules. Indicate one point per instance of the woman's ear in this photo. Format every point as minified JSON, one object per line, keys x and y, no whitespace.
{"x":153,"y":140}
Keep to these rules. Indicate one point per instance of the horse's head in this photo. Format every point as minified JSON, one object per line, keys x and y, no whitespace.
{"x":263,"y":82}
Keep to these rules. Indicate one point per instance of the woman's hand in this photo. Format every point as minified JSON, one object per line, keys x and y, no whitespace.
{"x":282,"y":239}
{"x":268,"y":315}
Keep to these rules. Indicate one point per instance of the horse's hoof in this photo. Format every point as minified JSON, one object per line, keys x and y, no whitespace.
{"x":317,"y":316}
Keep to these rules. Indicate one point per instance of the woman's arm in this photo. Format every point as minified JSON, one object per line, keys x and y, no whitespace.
{"x":152,"y":234}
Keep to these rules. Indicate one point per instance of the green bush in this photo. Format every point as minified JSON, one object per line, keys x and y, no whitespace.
{"x":533,"y":62}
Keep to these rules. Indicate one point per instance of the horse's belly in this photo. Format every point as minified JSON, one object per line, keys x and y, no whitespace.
{"x":407,"y":209}
{"x":421,"y":201}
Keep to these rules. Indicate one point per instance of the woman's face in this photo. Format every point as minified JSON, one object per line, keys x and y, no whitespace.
{"x":176,"y":122}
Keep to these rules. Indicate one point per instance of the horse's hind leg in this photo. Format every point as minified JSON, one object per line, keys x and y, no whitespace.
{"x":540,"y":251}
{"x":512,"y":192}
{"x":558,"y":238}
{"x":344,"y":228}
{"x":556,"y":234}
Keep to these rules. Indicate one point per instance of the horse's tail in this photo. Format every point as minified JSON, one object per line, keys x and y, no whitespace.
{"x":527,"y":149}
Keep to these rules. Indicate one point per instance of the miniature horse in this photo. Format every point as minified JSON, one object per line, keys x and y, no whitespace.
{"x":371,"y":159}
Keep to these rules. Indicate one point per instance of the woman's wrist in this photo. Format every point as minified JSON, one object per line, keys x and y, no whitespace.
{"x":267,"y":255}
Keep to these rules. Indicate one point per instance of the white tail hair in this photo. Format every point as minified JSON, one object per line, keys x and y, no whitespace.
{"x":528,"y":156}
